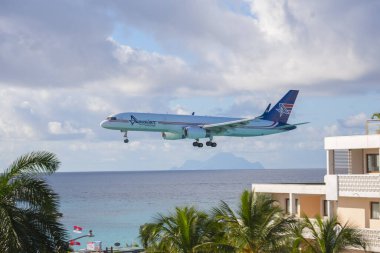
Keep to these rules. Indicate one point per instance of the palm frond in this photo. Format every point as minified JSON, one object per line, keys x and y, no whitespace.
{"x":29,"y":207}
{"x":32,"y":163}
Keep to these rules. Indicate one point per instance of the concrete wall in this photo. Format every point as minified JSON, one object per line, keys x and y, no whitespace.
{"x":357,"y":212}
{"x":375,"y":224}
{"x":310,"y":205}
{"x":359,"y":160}
{"x":352,"y":142}
{"x":330,"y":162}
{"x":280,"y":198}
{"x":357,"y":163}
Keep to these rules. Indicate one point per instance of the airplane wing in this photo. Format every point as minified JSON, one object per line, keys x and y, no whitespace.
{"x":219,"y":127}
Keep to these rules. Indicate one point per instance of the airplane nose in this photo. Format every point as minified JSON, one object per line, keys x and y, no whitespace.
{"x":104,"y":123}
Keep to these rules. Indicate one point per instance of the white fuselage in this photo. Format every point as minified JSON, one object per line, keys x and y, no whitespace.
{"x":171,"y":123}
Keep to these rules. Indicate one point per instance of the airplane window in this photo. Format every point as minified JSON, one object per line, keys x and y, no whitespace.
{"x":111,"y":118}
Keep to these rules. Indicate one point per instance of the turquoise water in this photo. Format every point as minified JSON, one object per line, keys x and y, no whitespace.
{"x":115,"y":204}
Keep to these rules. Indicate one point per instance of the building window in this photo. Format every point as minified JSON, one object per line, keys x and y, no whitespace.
{"x":372,"y":163}
{"x":296,"y":206}
{"x":325,"y":208}
{"x":375,"y":210}
{"x":287,"y":205}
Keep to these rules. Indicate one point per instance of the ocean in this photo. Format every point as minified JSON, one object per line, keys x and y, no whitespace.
{"x":115,"y":204}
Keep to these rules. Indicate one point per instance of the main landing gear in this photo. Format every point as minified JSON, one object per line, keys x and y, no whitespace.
{"x":197,"y":144}
{"x":208,"y":143}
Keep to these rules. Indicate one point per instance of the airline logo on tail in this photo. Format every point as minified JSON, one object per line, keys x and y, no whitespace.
{"x":281,"y":111}
{"x":284,"y":108}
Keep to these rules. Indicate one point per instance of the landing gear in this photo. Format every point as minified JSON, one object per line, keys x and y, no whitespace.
{"x":126,"y":137}
{"x":197,"y":144}
{"x":211,"y":144}
{"x":208,"y":143}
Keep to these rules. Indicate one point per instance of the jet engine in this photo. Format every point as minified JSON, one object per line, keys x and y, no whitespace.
{"x":195,"y":132}
{"x":172,"y":136}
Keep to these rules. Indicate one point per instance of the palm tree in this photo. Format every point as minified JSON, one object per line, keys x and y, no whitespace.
{"x":258,"y":226}
{"x":375,"y":115}
{"x":186,"y":231}
{"x":326,"y":236}
{"x":29,"y":207}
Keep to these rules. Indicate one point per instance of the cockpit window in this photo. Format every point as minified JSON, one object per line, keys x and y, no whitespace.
{"x":111,"y":118}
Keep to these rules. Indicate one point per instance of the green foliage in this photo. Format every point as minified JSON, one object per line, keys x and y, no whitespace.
{"x":187,"y":230}
{"x":29,"y":207}
{"x":259,"y":225}
{"x":376,"y":115}
{"x":325,"y":236}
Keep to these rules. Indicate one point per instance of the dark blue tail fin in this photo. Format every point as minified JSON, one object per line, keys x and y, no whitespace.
{"x":281,"y":111}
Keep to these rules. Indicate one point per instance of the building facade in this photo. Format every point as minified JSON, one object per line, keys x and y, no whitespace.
{"x":351,"y":188}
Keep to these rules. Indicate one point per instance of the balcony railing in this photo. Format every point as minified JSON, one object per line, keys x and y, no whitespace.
{"x":373,"y":126}
{"x":359,"y":185}
{"x":372,"y":237}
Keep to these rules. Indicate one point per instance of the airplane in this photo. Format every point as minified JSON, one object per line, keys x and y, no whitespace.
{"x":176,"y":127}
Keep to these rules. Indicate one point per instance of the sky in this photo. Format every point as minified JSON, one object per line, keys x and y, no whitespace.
{"x":66,"y":65}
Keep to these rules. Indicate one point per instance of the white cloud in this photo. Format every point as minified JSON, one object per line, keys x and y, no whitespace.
{"x":208,"y":48}
{"x":180,"y":110}
{"x":78,"y":147}
{"x":355,"y":121}
{"x":60,"y":128}
{"x":63,"y":70}
{"x":273,"y":20}
{"x":332,"y":130}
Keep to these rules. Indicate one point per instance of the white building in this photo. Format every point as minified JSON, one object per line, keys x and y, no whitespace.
{"x":351,"y":189}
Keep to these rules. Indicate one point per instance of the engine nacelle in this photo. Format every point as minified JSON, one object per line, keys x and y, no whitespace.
{"x":172,"y":136}
{"x":195,"y":132}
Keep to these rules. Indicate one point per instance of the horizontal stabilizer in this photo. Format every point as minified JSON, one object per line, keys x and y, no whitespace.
{"x":303,"y":123}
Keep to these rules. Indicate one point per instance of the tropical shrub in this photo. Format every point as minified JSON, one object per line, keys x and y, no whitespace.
{"x":29,"y":215}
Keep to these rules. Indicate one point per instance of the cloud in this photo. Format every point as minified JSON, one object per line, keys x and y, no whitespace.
{"x":63,"y":70}
{"x":59,"y":128}
{"x":354,"y":121}
{"x":180,"y":110}
{"x":208,"y":48}
{"x":54,"y":44}
{"x":279,"y":43}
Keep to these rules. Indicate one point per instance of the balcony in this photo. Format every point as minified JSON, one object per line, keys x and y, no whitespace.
{"x":359,"y":186}
{"x":373,"y":126}
{"x":372,"y":236}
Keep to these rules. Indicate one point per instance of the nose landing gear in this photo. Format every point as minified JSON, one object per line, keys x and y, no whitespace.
{"x":126,"y":137}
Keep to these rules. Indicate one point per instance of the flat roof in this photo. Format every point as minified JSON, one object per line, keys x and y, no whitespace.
{"x":297,"y":188}
{"x":353,"y":142}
